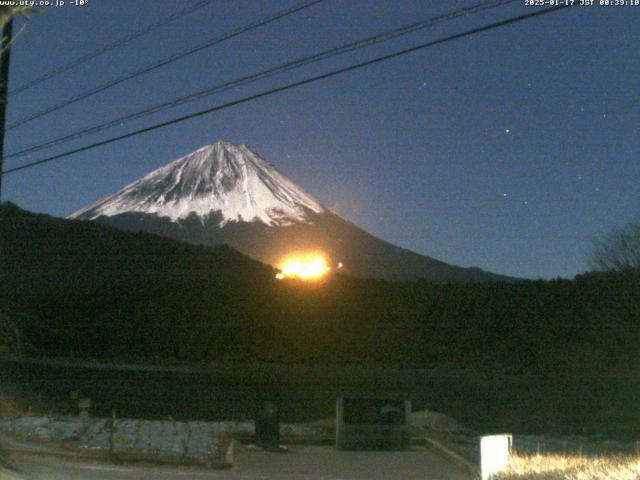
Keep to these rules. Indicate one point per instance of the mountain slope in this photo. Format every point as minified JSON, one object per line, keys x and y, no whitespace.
{"x":81,"y":289}
{"x":39,"y":252}
{"x":230,"y":179}
{"x":226,"y":193}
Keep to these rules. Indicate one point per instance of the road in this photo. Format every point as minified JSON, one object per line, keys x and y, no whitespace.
{"x":308,"y":462}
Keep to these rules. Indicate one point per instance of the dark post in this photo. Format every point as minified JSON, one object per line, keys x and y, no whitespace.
{"x":7,"y":32}
{"x":112,"y":440}
{"x":268,"y":427}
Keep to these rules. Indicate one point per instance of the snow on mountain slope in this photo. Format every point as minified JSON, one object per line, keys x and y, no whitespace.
{"x":224,"y":177}
{"x":227,"y":194}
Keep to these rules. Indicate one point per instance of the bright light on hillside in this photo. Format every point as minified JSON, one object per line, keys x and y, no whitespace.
{"x":303,"y":266}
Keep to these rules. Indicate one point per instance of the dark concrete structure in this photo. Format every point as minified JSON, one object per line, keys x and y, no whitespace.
{"x":373,"y":424}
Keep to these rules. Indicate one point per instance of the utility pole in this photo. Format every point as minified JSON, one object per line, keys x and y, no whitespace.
{"x":7,"y":32}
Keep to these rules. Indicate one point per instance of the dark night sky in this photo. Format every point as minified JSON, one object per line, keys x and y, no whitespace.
{"x":508,"y":150}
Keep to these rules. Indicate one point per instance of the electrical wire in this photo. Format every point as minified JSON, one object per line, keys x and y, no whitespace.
{"x":111,"y":46}
{"x":252,"y":78}
{"x":293,"y":85}
{"x":166,"y":61}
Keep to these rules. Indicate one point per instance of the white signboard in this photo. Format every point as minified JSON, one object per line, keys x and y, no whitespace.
{"x":494,"y":454}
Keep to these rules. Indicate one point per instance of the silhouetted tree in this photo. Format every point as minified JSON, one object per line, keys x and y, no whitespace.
{"x":8,"y":12}
{"x":11,"y":333}
{"x":620,"y":250}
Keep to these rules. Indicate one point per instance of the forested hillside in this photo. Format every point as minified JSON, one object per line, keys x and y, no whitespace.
{"x":97,"y":291}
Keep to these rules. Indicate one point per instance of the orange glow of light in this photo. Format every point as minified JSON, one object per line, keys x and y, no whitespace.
{"x":310,"y":266}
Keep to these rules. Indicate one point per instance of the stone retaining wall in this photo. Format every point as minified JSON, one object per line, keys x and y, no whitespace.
{"x":191,"y":440}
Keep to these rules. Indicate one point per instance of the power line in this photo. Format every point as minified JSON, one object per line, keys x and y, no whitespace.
{"x":111,"y":46}
{"x":293,"y":85}
{"x":166,"y":61}
{"x":287,"y":66}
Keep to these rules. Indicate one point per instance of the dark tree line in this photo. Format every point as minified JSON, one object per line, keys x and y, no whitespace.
{"x":86,"y":290}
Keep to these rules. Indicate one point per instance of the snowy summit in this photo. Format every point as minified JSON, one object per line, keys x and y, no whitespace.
{"x":223,"y":177}
{"x":244,"y":202}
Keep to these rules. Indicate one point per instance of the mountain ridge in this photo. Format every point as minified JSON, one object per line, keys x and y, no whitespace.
{"x":226,"y":193}
{"x":222,"y":176}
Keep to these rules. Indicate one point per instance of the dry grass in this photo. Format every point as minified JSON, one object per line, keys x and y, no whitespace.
{"x":572,"y":467}
{"x":9,"y":406}
{"x":11,"y":402}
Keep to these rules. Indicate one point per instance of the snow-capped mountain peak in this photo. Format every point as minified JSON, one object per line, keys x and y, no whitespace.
{"x":223,"y":177}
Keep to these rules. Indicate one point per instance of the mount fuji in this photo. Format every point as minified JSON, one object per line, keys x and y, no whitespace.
{"x":227,"y":193}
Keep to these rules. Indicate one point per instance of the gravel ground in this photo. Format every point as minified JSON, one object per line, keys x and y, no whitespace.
{"x":309,"y":462}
